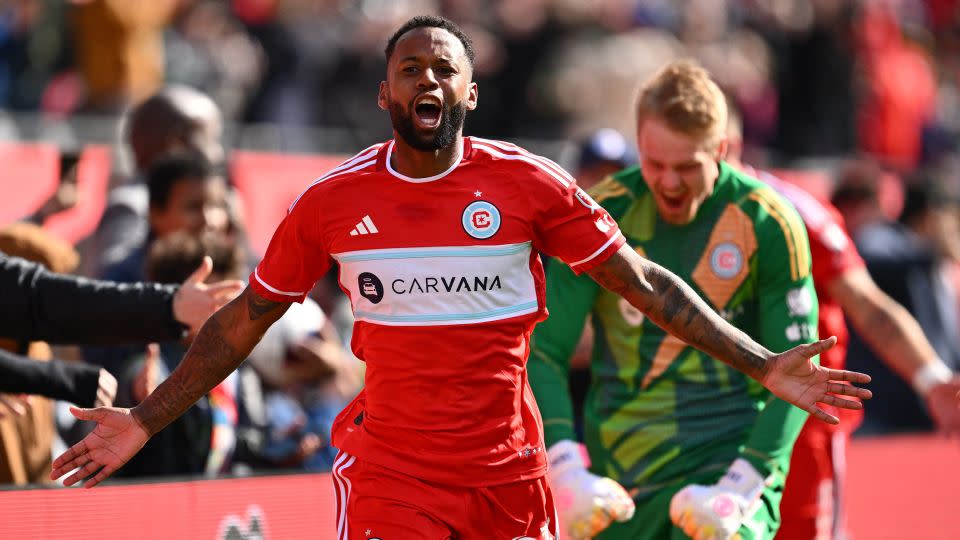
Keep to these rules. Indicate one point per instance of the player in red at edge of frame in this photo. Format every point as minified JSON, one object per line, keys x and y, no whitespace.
{"x":436,"y":236}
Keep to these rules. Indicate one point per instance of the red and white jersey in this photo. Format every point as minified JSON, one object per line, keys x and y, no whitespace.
{"x":446,"y":285}
{"x":833,"y":253}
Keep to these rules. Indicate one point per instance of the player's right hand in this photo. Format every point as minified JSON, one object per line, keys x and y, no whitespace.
{"x":117,"y":437}
{"x":587,"y":503}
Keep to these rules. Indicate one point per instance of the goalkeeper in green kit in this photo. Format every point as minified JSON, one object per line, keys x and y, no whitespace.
{"x":701,"y":448}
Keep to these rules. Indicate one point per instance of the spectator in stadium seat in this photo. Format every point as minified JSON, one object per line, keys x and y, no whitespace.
{"x":177,"y":118}
{"x":185,"y":194}
{"x":603,"y":153}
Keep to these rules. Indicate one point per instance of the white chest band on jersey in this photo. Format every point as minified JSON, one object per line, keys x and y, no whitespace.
{"x":443,"y":285}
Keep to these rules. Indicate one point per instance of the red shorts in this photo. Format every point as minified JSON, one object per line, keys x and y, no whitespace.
{"x":812,"y":504}
{"x":374,"y":503}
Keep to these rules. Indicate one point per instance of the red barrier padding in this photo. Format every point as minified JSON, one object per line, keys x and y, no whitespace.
{"x":269,"y":183}
{"x":904,"y":487}
{"x":282,"y":507}
{"x":898,"y":488}
{"x":29,"y":173}
{"x":93,"y":175}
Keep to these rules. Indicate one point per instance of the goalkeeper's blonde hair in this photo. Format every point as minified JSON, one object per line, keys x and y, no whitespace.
{"x":683,"y":95}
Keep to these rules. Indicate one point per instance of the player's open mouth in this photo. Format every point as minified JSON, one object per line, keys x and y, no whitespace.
{"x":427,"y":112}
{"x":674,"y":203}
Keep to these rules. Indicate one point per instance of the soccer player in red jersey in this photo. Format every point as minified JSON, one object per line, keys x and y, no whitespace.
{"x":436,"y":237}
{"x":812,"y":505}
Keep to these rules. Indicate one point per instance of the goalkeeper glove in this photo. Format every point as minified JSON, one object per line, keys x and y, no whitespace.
{"x":587,"y":503}
{"x":717,"y":512}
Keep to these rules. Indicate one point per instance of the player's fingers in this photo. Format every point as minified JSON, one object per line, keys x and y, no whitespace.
{"x":849,"y":390}
{"x":823,"y":415}
{"x":67,"y":458}
{"x":81,"y":473}
{"x":817,"y":347}
{"x":106,"y":471}
{"x":226,"y":287}
{"x":96,"y":414}
{"x":830,"y":399}
{"x":202,"y":271}
{"x":849,"y":376}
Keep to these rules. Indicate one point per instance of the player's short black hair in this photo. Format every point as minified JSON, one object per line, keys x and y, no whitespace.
{"x":173,"y":168}
{"x":431,"y":21}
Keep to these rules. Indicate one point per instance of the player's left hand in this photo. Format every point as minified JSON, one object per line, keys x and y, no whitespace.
{"x":716,"y":512}
{"x":796,"y":379}
{"x":942,"y":405}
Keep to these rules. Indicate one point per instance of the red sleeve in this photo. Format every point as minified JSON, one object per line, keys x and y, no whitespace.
{"x":832,"y":249}
{"x":296,"y":257}
{"x":571,"y":226}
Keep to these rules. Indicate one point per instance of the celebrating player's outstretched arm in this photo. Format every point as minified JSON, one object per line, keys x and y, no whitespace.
{"x":675,"y":307}
{"x":223,"y":343}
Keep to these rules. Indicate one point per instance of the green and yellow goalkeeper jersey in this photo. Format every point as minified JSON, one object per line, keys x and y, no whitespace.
{"x":658,"y":410}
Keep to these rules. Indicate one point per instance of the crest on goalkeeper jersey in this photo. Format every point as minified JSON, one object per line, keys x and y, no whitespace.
{"x":726,"y":260}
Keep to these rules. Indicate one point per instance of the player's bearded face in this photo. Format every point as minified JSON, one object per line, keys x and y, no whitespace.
{"x":442,"y":136}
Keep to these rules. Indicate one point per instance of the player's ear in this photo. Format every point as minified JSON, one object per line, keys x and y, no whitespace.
{"x":472,"y":95}
{"x":723,"y":147}
{"x":382,"y":100}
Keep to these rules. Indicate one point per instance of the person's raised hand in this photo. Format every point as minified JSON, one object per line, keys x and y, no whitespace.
{"x":195,"y":301}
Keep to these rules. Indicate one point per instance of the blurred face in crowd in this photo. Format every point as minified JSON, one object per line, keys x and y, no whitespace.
{"x":943,"y":225}
{"x":680,"y":169}
{"x":195,"y":205}
{"x":428,"y":90}
{"x":205,"y":137}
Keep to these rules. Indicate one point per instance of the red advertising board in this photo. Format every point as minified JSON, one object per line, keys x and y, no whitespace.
{"x":287,"y":507}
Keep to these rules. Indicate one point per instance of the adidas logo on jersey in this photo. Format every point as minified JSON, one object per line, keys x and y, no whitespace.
{"x":365,"y":226}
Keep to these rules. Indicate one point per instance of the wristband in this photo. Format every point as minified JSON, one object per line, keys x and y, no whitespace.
{"x":930,"y":375}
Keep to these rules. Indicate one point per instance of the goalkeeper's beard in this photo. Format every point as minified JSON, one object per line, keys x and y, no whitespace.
{"x":443,"y":136}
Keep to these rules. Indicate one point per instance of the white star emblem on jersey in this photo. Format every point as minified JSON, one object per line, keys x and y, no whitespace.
{"x":478,"y":193}
{"x":368,"y":532}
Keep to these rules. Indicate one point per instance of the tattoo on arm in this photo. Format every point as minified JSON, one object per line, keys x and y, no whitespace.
{"x":675,"y":307}
{"x":211,"y":359}
{"x":258,"y":306}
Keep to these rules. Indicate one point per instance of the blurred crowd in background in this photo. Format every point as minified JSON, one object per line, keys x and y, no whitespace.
{"x":859,"y":100}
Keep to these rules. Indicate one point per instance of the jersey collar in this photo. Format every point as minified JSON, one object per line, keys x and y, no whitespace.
{"x":466,"y":147}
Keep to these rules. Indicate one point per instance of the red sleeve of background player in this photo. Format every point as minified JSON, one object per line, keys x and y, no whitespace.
{"x":296,"y":257}
{"x":569,"y":224}
{"x":832,"y":248}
